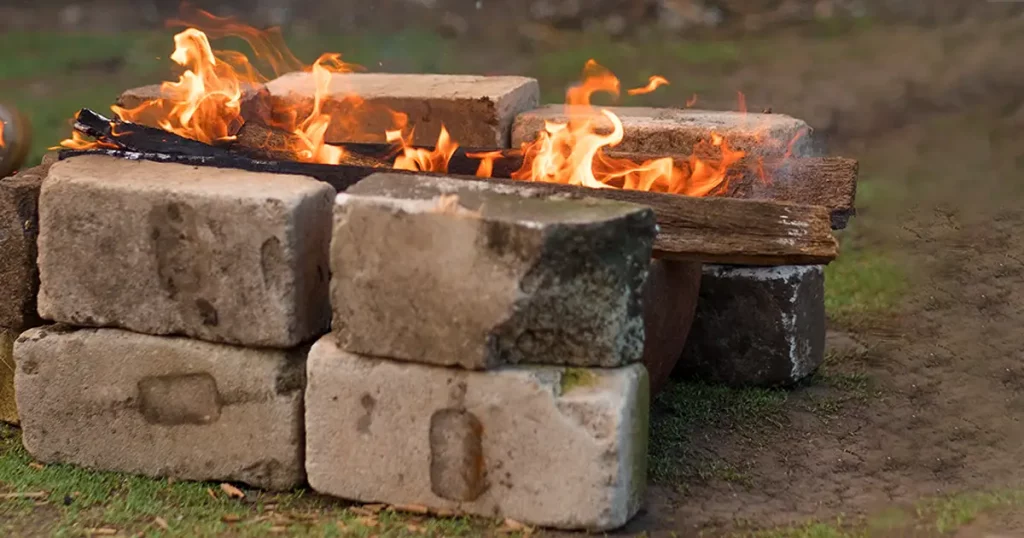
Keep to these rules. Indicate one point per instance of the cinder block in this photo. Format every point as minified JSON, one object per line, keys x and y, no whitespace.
{"x":452,"y":272}
{"x":546,"y":446}
{"x":476,"y":110}
{"x":760,"y":326}
{"x":8,"y":406}
{"x":162,"y":406}
{"x":677,"y":131}
{"x":216,"y":254}
{"x":19,"y":228}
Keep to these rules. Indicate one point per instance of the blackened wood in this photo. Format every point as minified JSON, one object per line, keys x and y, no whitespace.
{"x":135,"y":137}
{"x":709,"y":230}
{"x":823,"y":181}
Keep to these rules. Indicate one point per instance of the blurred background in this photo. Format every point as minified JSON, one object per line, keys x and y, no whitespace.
{"x":927,"y":95}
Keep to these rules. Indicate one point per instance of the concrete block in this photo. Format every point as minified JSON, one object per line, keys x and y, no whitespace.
{"x":677,"y":131}
{"x":19,"y":228}
{"x":162,"y":406}
{"x":759,"y":326}
{"x":476,"y":110}
{"x":546,"y":446}
{"x":216,"y":254}
{"x":452,"y":272}
{"x":8,"y":405}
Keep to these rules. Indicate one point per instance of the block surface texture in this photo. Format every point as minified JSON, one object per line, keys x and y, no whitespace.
{"x":8,"y":406}
{"x":162,"y":406}
{"x":677,"y":131}
{"x":759,"y":326}
{"x":545,"y":446}
{"x":476,"y":110}
{"x":19,"y":229}
{"x":453,"y":272}
{"x":216,"y":254}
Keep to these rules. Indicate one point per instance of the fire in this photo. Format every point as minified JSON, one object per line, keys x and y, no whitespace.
{"x":205,"y":103}
{"x":2,"y":143}
{"x":573,"y":152}
{"x":652,"y":85}
{"x":423,"y":160}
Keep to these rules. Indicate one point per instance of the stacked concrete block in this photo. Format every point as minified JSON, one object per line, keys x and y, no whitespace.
{"x":19,"y":277}
{"x":484,"y":353}
{"x":757,"y":326}
{"x":186,"y":299}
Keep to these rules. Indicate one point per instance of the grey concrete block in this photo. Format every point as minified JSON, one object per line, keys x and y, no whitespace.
{"x":678,"y":131}
{"x":758,"y":326}
{"x":545,"y":446}
{"x":463,"y":273}
{"x":162,"y":406}
{"x":216,"y":254}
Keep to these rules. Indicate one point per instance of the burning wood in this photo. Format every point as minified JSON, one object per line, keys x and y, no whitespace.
{"x":711,"y":229}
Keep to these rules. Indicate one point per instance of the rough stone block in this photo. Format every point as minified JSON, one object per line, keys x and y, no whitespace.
{"x":162,"y":406}
{"x":255,"y":102}
{"x":677,"y":131}
{"x":476,"y":110}
{"x":217,"y":254}
{"x":19,"y":228}
{"x":8,"y":406}
{"x":543,"y":445}
{"x":463,"y":273}
{"x":759,"y":326}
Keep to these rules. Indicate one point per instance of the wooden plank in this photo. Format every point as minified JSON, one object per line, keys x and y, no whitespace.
{"x":830,"y":182}
{"x":710,"y":230}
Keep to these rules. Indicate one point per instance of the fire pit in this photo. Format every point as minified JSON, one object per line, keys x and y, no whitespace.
{"x":464,"y":296}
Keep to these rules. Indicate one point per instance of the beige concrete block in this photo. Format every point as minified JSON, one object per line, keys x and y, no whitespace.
{"x":477,"y":111}
{"x":162,"y":406}
{"x":216,"y":254}
{"x":8,"y":405}
{"x":486,"y":277}
{"x":677,"y":131}
{"x":546,"y":446}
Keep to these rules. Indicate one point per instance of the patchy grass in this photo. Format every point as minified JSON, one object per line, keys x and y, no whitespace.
{"x":936,"y":516}
{"x":685,"y":408}
{"x":62,"y":500}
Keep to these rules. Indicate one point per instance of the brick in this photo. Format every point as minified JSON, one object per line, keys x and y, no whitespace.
{"x":255,"y":101}
{"x":677,"y":131}
{"x":19,"y":228}
{"x":8,"y":406}
{"x":161,"y":406}
{"x":216,"y":254}
{"x":485,"y":277}
{"x":757,"y":326}
{"x":476,"y":110}
{"x":543,"y":445}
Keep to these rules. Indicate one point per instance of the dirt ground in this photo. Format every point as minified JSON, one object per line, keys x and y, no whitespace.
{"x":924,"y":400}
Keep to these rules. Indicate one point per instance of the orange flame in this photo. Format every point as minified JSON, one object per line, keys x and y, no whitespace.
{"x":2,"y":143}
{"x":573,"y":152}
{"x":205,"y":103}
{"x":652,"y":85}
{"x":486,"y":168}
{"x":691,"y":101}
{"x":423,"y":160}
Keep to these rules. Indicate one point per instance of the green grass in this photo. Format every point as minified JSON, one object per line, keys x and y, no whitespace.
{"x":685,"y":408}
{"x":936,"y":516}
{"x":76,"y":500}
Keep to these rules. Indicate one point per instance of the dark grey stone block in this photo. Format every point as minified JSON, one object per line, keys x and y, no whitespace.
{"x":757,"y":326}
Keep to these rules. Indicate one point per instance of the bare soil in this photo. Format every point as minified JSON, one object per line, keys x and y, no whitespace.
{"x":926,"y":399}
